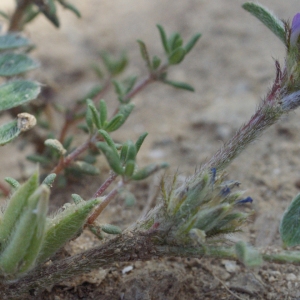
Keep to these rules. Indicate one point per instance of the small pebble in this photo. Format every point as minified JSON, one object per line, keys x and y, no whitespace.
{"x":127,"y":269}
{"x":291,"y":277}
{"x":230,"y":266}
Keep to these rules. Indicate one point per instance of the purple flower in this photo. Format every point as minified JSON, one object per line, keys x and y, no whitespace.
{"x":295,"y":30}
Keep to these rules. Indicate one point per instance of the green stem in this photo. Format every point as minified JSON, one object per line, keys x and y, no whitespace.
{"x":283,"y":257}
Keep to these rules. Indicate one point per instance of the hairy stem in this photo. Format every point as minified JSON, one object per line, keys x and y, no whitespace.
{"x":264,"y":117}
{"x":105,"y":185}
{"x":121,"y":249}
{"x":127,"y":247}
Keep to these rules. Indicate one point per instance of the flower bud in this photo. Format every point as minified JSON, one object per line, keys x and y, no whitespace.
{"x":295,"y":30}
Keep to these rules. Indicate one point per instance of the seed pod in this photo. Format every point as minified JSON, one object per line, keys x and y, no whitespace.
{"x":26,"y":121}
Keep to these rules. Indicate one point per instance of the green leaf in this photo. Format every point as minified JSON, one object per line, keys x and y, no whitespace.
{"x":179,"y":85}
{"x":130,"y":199}
{"x":125,"y":110}
{"x":31,"y":13}
{"x":111,"y":229}
{"x":148,"y":171}
{"x":67,"y":142}
{"x":12,"y":41}
{"x":130,"y":83}
{"x":290,"y":224}
{"x":114,"y":66}
{"x":12,"y":64}
{"x":112,"y":157}
{"x":84,"y":168}
{"x":109,"y":140}
{"x":49,"y":180}
{"x":20,"y":247}
{"x":97,"y":71}
{"x":129,"y":168}
{"x":144,"y":53}
{"x":119,"y":88}
{"x":115,"y":123}
{"x":176,"y":56}
{"x":103,"y":112}
{"x":12,"y":182}
{"x":140,"y":141}
{"x":35,"y":244}
{"x":123,"y":153}
{"x":8,"y":132}
{"x":208,"y":218}
{"x":248,"y":255}
{"x":70,"y":7}
{"x":36,"y":158}
{"x":191,"y":43}
{"x":175,"y":41}
{"x":64,"y":226}
{"x":56,"y":146}
{"x":267,"y":18}
{"x":76,"y":198}
{"x":48,"y":8}
{"x":15,"y":206}
{"x":95,"y":113}
{"x":17,"y":92}
{"x":163,"y":38}
{"x":89,"y":120}
{"x":83,"y":127}
{"x":155,"y":62}
{"x":131,"y":151}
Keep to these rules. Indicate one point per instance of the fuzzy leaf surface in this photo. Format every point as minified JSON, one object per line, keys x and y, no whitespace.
{"x":13,"y":41}
{"x":18,"y":92}
{"x":290,"y":224}
{"x":65,"y":226}
{"x":8,"y":132}
{"x":267,"y":18}
{"x":12,"y":64}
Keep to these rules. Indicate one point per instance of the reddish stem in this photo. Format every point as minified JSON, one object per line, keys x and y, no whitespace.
{"x":105,"y":185}
{"x":4,"y":189}
{"x":69,"y":120}
{"x":67,"y":160}
{"x":140,"y":86}
{"x":111,"y":195}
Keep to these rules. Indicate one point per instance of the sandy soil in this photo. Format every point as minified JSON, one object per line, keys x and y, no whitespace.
{"x":231,"y":68}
